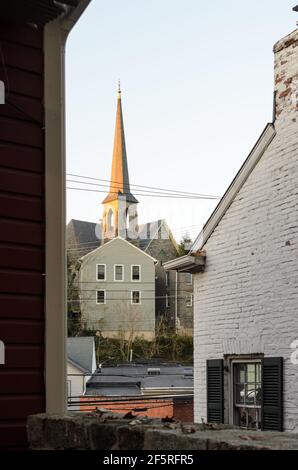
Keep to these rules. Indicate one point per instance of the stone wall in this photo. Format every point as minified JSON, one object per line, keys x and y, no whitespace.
{"x":105,"y":431}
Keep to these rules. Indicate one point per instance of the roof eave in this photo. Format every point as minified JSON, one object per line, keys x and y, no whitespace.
{"x":188,"y":264}
{"x":40,"y":13}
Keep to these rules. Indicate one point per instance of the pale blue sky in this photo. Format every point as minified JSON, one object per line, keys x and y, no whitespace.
{"x":197,"y":83}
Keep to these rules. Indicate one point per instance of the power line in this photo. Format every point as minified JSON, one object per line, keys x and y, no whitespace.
{"x":140,"y":186}
{"x":140,"y":194}
{"x":141,"y":190}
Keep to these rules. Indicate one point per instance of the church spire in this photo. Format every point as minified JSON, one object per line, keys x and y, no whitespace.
{"x":120,"y":217}
{"x":119,"y":185}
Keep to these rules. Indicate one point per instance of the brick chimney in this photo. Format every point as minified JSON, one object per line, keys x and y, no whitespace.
{"x":286,"y":79}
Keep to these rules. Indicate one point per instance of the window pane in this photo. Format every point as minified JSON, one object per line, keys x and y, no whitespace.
{"x":240,"y":373}
{"x":258,"y":394}
{"x":252,"y":418}
{"x":188,"y":278}
{"x":250,"y":394}
{"x":100,"y":296}
{"x":136,"y":273}
{"x":248,"y":418}
{"x":258,"y":373}
{"x":251,"y":373}
{"x":240,"y":393}
{"x":118,"y":273}
{"x":247,"y":396}
{"x":136,"y":297}
{"x":100,"y":271}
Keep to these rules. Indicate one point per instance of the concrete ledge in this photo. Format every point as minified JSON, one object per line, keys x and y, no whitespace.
{"x":104,"y":431}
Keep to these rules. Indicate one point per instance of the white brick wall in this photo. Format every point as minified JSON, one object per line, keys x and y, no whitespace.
{"x":246,"y":301}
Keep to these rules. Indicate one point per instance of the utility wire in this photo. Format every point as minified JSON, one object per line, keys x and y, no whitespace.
{"x":138,"y":185}
{"x":140,"y":194}
{"x":118,"y":189}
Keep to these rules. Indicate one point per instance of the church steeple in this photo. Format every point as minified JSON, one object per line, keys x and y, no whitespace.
{"x":119,"y":205}
{"x":119,"y":184}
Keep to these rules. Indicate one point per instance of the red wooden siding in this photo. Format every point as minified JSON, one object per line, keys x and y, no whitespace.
{"x":21,"y":231}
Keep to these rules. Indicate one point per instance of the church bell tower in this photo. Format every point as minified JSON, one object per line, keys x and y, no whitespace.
{"x":120,"y":217}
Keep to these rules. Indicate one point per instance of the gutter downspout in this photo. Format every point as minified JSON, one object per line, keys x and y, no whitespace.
{"x":55,"y":35}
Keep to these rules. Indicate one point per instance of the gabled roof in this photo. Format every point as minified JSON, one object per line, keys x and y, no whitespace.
{"x":85,"y":236}
{"x":80,"y":352}
{"x":153,"y":231}
{"x":122,"y":240}
{"x":82,"y":237}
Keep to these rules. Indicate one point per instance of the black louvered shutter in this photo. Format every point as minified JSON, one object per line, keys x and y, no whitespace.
{"x":215,"y":401}
{"x":272,"y":394}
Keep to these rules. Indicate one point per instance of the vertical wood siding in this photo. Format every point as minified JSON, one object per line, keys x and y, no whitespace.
{"x":21,"y":231}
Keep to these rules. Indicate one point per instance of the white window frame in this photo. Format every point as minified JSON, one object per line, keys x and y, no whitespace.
{"x":189,"y":283}
{"x":119,"y":280}
{"x":105,"y":272}
{"x":232,"y":386}
{"x":105,"y":296}
{"x":131,"y":271}
{"x":167,"y":301}
{"x":140,"y":297}
{"x":191,"y":300}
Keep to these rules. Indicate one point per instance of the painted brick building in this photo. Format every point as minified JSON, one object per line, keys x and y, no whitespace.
{"x":245,"y":298}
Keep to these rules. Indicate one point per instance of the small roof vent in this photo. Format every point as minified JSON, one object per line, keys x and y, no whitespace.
{"x":153,"y":371}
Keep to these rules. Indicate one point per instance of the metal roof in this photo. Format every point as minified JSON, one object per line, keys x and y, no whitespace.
{"x":37,"y":12}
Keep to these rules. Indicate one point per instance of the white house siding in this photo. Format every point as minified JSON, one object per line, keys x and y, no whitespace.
{"x":246,"y":301}
{"x":76,"y":384}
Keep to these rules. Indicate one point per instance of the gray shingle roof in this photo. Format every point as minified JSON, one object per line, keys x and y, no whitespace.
{"x":80,"y":351}
{"x":86,"y":235}
{"x":116,"y":380}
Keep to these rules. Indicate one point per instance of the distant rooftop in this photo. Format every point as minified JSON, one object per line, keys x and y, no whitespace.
{"x":80,"y":352}
{"x":137,"y":379}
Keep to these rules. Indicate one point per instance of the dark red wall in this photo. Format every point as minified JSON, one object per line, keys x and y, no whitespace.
{"x":21,"y":231}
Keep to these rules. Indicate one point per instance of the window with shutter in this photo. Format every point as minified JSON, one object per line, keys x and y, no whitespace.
{"x":246,"y":378}
{"x":272,"y":394}
{"x":215,"y":402}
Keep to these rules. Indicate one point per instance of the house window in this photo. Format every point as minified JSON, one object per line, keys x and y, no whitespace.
{"x":101,"y":272}
{"x":136,"y":273}
{"x":167,"y":301}
{"x":167,"y":278}
{"x":189,"y":300}
{"x":188,"y":278}
{"x":247,"y":394}
{"x":135,"y":297}
{"x":100,"y":296}
{"x":118,"y":272}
